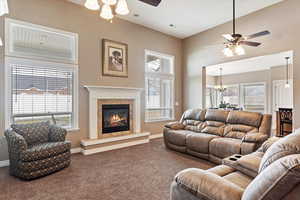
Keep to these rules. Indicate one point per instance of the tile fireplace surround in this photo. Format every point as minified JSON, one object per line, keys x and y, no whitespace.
{"x":98,"y":142}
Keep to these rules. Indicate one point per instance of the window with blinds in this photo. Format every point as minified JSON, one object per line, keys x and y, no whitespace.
{"x":159,"y":81}
{"x":42,"y":93}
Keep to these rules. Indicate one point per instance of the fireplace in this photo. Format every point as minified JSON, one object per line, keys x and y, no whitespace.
{"x":115,"y":118}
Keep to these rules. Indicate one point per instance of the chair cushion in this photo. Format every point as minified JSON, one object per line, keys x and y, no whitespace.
{"x":276,"y":181}
{"x":199,"y":142}
{"x":286,"y":146}
{"x":45,"y":150}
{"x":224,"y":147}
{"x":33,"y":133}
{"x":177,"y":137}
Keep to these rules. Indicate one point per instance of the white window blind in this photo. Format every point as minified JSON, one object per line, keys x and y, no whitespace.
{"x":42,"y":93}
{"x":159,"y":81}
{"x":254,"y":97}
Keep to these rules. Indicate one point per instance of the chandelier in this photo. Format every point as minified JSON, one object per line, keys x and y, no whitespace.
{"x":220,"y":88}
{"x":109,"y":9}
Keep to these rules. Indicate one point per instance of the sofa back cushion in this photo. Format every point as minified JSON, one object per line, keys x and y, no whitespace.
{"x":33,"y":133}
{"x":244,"y":118}
{"x":286,"y":146}
{"x":193,"y":119}
{"x":276,"y":181}
{"x":238,"y":131}
{"x":215,"y":122}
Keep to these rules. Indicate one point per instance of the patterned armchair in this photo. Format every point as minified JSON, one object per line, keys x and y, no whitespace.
{"x":37,"y":149}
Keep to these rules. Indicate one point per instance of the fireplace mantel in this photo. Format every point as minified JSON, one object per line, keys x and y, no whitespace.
{"x":109,"y":92}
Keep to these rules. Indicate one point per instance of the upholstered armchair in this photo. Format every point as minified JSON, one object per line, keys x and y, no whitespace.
{"x":37,"y":149}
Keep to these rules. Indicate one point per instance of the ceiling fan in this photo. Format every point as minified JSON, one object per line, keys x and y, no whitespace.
{"x":234,"y":41}
{"x":152,"y":2}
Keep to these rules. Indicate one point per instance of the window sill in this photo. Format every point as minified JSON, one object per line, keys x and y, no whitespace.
{"x":72,"y":130}
{"x":160,"y":120}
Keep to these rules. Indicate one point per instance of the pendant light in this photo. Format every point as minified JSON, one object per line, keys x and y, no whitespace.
{"x":221,"y":88}
{"x":92,"y":4}
{"x":287,"y":84}
{"x":122,"y":8}
{"x":106,"y":12}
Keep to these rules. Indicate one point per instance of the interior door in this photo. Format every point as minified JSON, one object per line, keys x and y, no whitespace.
{"x":282,"y":97}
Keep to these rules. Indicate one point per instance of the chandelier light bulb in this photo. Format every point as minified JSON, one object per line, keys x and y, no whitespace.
{"x":109,"y":2}
{"x":1,"y":43}
{"x":106,"y":12}
{"x":122,"y":8}
{"x":287,"y":85}
{"x":239,"y":50}
{"x":3,"y":7}
{"x":228,"y":52}
{"x":91,"y":4}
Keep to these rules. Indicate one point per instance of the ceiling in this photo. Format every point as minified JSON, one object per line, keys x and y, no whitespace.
{"x":188,"y":16}
{"x":251,"y":64}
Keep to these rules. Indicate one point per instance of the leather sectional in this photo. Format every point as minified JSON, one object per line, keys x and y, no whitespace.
{"x":216,"y":134}
{"x":270,"y":173}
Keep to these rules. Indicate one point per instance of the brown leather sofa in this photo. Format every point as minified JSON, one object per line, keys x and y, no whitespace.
{"x":217,"y":134}
{"x":270,"y":173}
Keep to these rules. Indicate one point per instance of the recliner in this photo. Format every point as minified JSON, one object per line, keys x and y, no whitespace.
{"x":216,"y":134}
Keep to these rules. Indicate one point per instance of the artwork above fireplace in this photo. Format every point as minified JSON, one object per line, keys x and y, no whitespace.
{"x":115,"y":118}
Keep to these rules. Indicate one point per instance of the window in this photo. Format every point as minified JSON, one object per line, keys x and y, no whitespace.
{"x":211,"y":97}
{"x":231,"y":95}
{"x":159,"y":81}
{"x":254,"y":97}
{"x":41,"y":91}
{"x":41,"y":75}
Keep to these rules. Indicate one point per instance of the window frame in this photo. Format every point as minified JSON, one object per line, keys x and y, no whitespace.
{"x":242,"y":92}
{"x":162,"y":76}
{"x":31,"y":62}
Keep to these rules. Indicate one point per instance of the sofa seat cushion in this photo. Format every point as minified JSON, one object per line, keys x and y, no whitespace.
{"x":239,"y":179}
{"x":207,"y":185}
{"x":199,"y":142}
{"x":224,"y":147}
{"x":177,"y":137}
{"x":45,"y":150}
{"x":33,"y":133}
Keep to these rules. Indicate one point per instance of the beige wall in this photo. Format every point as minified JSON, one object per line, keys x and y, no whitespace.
{"x":91,"y":29}
{"x":282,"y":20}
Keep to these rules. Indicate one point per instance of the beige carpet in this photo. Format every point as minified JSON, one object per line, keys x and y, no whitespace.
{"x":142,"y":172}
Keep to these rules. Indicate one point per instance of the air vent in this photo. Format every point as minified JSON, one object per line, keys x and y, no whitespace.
{"x":33,"y":41}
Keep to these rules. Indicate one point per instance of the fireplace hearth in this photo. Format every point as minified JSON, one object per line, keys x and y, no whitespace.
{"x":115,"y":118}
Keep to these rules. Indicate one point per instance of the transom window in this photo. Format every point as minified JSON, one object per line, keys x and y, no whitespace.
{"x":159,"y":81}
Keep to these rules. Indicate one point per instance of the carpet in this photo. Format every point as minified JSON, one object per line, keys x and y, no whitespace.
{"x":142,"y":172}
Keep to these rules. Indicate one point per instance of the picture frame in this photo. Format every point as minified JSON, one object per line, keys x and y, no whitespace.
{"x":114,"y":58}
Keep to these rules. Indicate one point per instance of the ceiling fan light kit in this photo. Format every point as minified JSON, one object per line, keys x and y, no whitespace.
{"x":234,"y":41}
{"x":92,"y":4}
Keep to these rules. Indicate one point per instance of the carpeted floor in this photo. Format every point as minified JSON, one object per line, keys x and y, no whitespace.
{"x":142,"y":172}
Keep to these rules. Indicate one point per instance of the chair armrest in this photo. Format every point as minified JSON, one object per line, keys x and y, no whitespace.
{"x":255,"y":137}
{"x":208,"y":185}
{"x":175,"y":125}
{"x":57,"y":134}
{"x":16,"y":142}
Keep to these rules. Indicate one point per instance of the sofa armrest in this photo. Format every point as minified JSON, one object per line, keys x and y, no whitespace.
{"x":208,"y":185}
{"x":16,"y":143}
{"x":255,"y":137}
{"x":57,"y":134}
{"x":175,"y":125}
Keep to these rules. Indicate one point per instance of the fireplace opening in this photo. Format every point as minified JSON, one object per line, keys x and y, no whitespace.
{"x":115,"y":118}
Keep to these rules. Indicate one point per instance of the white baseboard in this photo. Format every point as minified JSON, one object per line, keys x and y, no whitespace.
{"x":76,"y":150}
{"x":5,"y":163}
{"x":113,"y":147}
{"x":155,"y":136}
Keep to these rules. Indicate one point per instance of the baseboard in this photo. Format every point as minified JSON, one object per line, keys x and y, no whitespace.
{"x":155,"y":136}
{"x":76,"y":150}
{"x":4,"y":163}
{"x":113,"y":147}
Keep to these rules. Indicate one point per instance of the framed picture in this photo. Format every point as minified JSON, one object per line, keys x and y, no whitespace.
{"x":114,"y":59}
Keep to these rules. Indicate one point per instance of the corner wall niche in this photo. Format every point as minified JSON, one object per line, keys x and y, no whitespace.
{"x":114,"y":119}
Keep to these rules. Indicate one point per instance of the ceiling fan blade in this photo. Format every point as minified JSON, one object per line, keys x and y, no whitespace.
{"x":252,"y":44}
{"x":151,"y":2}
{"x":228,"y":37}
{"x":259,"y":34}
